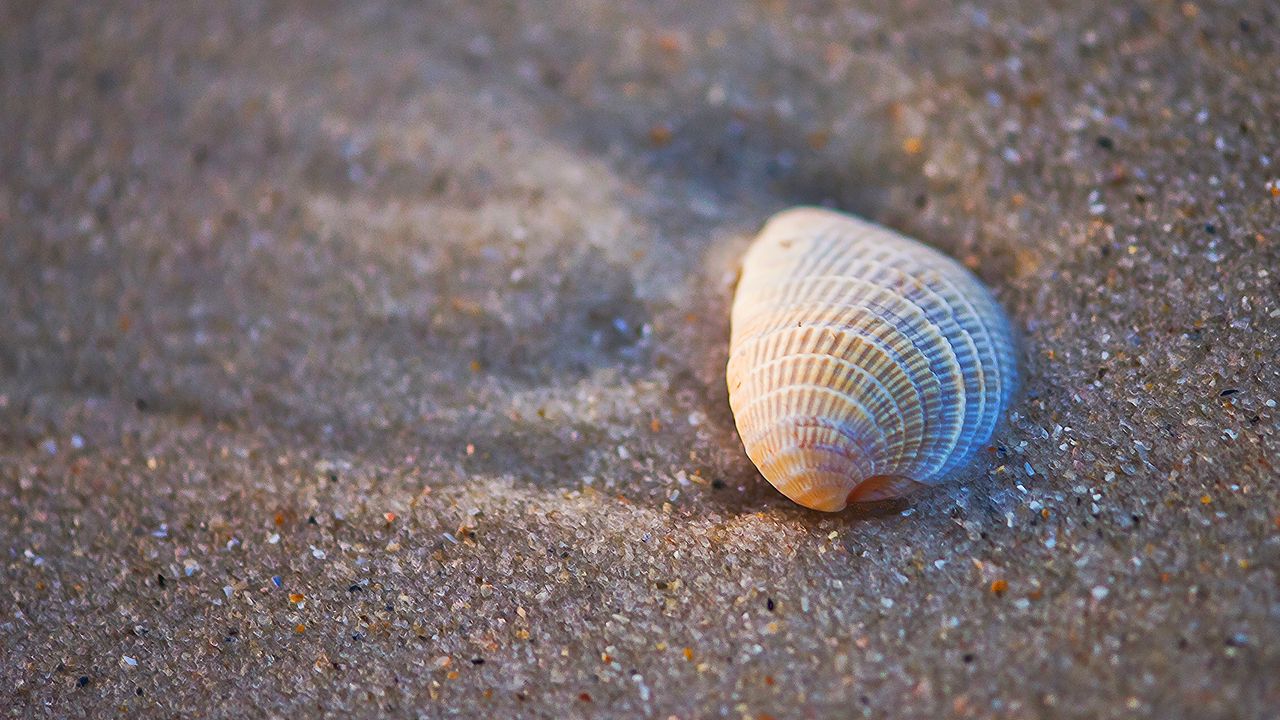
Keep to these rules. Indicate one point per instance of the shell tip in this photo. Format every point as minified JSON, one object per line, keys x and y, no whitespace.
{"x":883,"y":487}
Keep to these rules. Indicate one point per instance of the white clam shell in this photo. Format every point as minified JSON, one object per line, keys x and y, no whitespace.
{"x":862,"y":363}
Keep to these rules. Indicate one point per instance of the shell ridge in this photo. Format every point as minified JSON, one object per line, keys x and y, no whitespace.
{"x":928,"y":339}
{"x":869,"y":418}
{"x":872,"y":409}
{"x":973,"y":371}
{"x":885,"y":396}
{"x":994,"y":366}
{"x":894,"y":356}
{"x":831,"y":249}
{"x":951,"y":294}
{"x":778,"y":462}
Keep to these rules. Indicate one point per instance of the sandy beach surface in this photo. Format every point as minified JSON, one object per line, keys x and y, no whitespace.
{"x":368,"y":359}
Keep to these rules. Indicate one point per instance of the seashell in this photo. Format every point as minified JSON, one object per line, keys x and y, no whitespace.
{"x":862,"y":364}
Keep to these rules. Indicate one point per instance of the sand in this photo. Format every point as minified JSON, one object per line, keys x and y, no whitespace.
{"x":368,"y":359}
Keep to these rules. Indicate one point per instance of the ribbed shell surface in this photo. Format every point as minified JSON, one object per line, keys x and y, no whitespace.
{"x":862,"y":363}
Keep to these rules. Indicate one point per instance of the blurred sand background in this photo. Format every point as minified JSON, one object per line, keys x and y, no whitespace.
{"x":368,"y":359}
